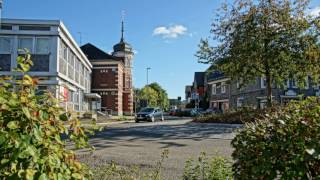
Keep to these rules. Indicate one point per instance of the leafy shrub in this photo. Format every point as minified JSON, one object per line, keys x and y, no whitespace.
{"x":113,"y":171}
{"x":236,"y":117}
{"x":31,"y":127}
{"x":217,"y":168}
{"x":283,"y":144}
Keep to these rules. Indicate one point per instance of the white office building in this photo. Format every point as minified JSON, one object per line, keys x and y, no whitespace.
{"x":59,"y":63}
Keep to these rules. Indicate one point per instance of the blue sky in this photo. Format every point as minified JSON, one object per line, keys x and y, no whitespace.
{"x":165,"y":34}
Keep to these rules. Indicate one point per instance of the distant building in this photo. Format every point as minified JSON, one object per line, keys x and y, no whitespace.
{"x":112,"y":76}
{"x":198,"y":89}
{"x":224,"y":93}
{"x":188,"y":92}
{"x":59,"y":63}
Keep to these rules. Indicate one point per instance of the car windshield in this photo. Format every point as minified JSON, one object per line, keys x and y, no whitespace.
{"x":147,"y":110}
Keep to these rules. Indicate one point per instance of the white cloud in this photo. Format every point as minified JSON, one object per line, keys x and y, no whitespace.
{"x":170,"y":32}
{"x":315,"y":11}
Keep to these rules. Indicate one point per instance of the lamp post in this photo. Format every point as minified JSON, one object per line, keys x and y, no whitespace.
{"x":148,"y":68}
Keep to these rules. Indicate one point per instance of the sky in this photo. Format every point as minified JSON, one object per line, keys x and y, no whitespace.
{"x":164,"y":33}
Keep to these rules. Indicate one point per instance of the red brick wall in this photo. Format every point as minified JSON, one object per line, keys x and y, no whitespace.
{"x":103,"y":80}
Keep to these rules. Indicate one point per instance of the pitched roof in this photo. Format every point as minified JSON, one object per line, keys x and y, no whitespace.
{"x":199,"y":78}
{"x":94,"y":53}
{"x":215,"y":75}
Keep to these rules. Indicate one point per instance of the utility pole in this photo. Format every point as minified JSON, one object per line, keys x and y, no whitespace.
{"x":148,"y":68}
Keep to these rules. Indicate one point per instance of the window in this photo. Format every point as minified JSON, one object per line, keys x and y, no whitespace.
{"x":26,"y":43}
{"x":214,"y":89}
{"x":5,"y":45}
{"x":34,"y":28}
{"x":240,"y":101}
{"x":40,"y":63}
{"x":63,"y":58}
{"x":71,"y":65}
{"x":223,"y":87}
{"x":5,"y":62}
{"x":42,"y":45}
{"x":291,"y":83}
{"x":77,"y":67}
{"x":5,"y":53}
{"x":263,"y":82}
{"x":6,"y":27}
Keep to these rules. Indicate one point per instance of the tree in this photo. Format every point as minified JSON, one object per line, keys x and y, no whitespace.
{"x":274,"y":39}
{"x":163,"y":100}
{"x":150,"y":95}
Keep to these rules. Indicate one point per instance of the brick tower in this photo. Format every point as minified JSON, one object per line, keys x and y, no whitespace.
{"x":124,"y":51}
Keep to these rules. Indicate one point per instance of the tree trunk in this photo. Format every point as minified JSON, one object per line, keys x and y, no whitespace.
{"x":269,"y":89}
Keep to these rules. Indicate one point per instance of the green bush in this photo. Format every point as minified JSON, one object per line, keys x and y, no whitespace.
{"x":236,"y":117}
{"x":283,"y":144}
{"x":31,"y":130}
{"x":217,"y":168}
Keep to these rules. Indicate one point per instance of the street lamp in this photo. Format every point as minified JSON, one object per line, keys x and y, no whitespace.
{"x":148,"y":68}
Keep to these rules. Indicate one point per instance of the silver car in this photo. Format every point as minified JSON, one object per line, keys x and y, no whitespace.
{"x":149,"y":114}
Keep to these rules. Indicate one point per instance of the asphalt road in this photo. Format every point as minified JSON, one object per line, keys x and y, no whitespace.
{"x":142,"y":143}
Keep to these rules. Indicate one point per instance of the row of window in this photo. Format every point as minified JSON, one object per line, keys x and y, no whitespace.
{"x":106,"y":70}
{"x":219,"y":86}
{"x":35,"y":45}
{"x":27,"y":28}
{"x":107,"y":93}
{"x":72,"y":67}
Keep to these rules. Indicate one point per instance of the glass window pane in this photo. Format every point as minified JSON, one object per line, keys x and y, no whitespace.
{"x":5,"y":62}
{"x":42,"y":46}
{"x":40,"y":63}
{"x":5,"y":45}
{"x":26,"y":43}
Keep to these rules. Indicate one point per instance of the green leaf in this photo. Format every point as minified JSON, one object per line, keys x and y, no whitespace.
{"x":13,"y":125}
{"x":4,"y":161}
{"x":43,"y":177}
{"x":76,"y":176}
{"x":26,"y":112}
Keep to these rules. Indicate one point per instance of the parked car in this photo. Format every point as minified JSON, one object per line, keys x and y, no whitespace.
{"x":149,"y":114}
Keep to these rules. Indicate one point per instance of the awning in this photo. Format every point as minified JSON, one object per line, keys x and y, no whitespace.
{"x":92,"y":96}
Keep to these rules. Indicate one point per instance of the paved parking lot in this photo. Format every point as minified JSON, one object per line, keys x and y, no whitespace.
{"x":142,"y":143}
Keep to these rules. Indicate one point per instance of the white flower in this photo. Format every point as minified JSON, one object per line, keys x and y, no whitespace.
{"x":281,"y":122}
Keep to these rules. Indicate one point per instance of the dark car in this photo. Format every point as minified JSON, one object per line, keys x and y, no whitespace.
{"x":149,"y":114}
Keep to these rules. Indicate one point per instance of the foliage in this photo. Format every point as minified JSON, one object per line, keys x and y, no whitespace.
{"x":113,"y":171}
{"x":283,"y":144}
{"x":233,"y":117}
{"x":218,"y":168}
{"x":274,"y":39}
{"x":163,"y":100}
{"x":154,"y":94}
{"x":150,"y":95}
{"x":31,"y":130}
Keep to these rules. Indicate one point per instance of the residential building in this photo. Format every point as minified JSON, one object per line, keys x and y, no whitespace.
{"x":59,"y":63}
{"x":218,"y":91}
{"x":188,"y":92}
{"x":112,"y":77}
{"x":199,"y":90}
{"x":225,"y":94}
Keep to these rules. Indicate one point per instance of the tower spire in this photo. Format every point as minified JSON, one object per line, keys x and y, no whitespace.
{"x":122,"y":26}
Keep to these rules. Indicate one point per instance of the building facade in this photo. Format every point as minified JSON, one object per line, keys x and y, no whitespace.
{"x":112,"y":76}
{"x":224,"y":93}
{"x":59,"y":63}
